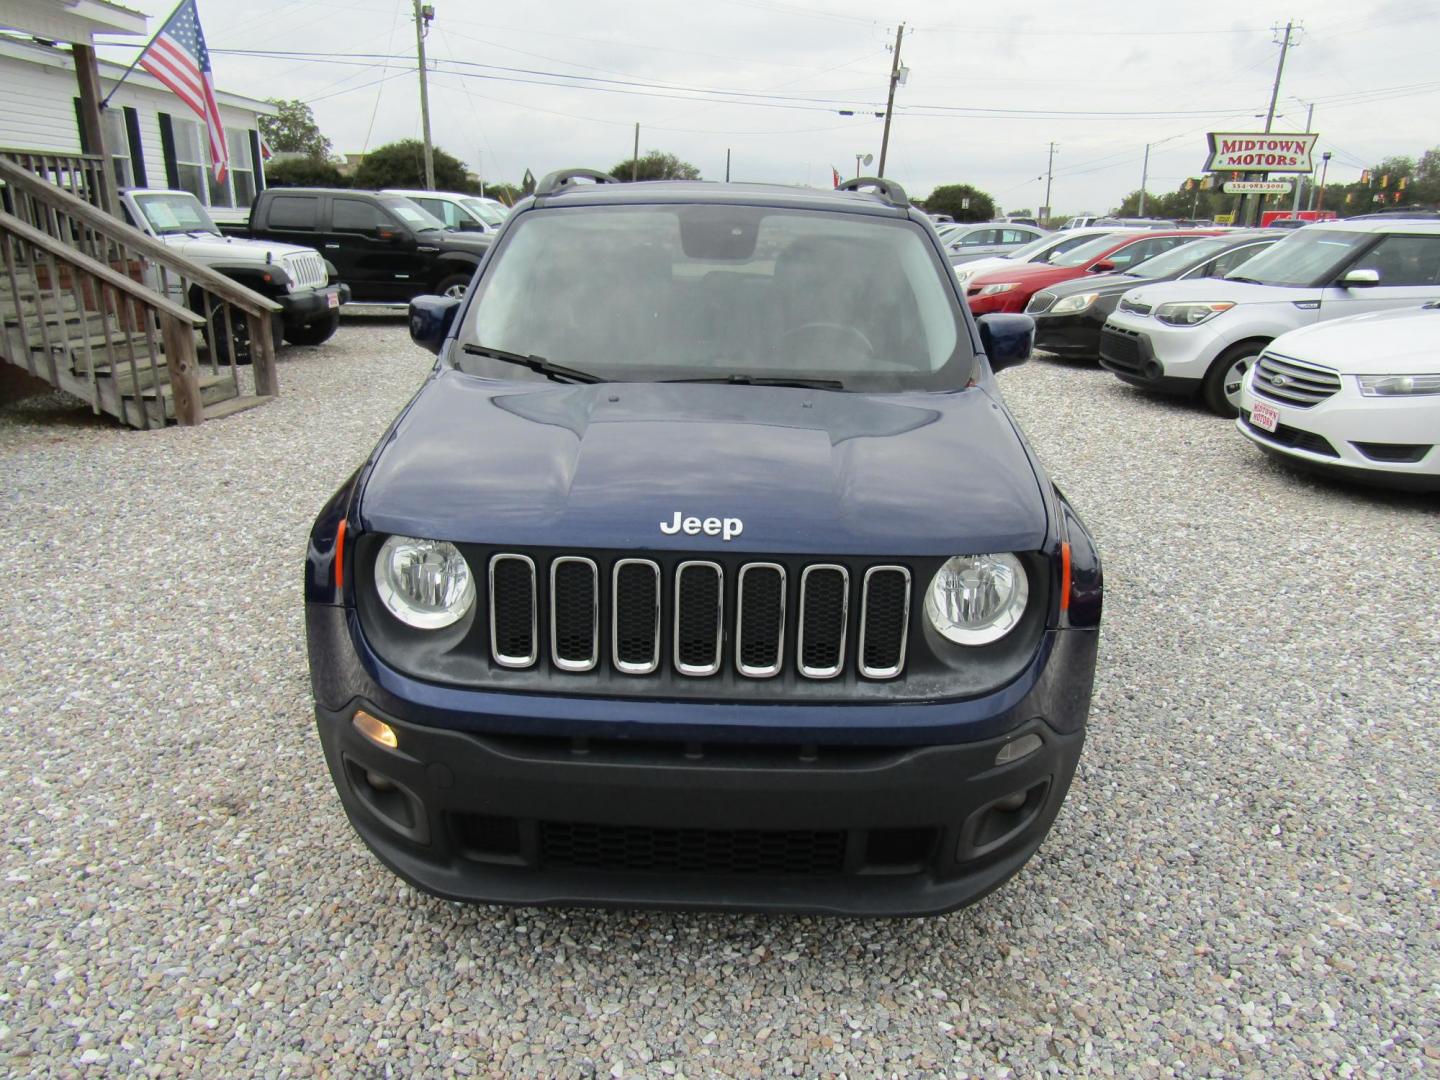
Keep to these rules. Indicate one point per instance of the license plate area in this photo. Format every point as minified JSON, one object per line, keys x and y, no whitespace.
{"x":1265,"y":417}
{"x":332,"y":299}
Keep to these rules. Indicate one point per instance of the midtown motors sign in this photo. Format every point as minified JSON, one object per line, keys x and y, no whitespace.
{"x":1249,"y":151}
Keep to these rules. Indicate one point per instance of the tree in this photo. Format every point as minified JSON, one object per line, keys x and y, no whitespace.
{"x":303,"y":172}
{"x":294,"y":130}
{"x":508,"y":194}
{"x":402,"y":165}
{"x":952,"y":199}
{"x":655,"y":165}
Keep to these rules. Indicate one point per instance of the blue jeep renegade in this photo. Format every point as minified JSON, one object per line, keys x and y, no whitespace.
{"x":708,"y":569}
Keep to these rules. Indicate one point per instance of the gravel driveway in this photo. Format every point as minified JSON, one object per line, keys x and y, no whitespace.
{"x":1243,"y":881}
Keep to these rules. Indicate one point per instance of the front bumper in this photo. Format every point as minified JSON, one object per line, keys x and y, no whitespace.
{"x":1012,"y":301}
{"x":904,"y":816}
{"x":1070,"y":335}
{"x":1390,"y":442}
{"x":1146,"y":352}
{"x":302,"y":309}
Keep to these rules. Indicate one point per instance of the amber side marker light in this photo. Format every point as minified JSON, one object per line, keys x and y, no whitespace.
{"x":340,"y":556}
{"x":376,"y":730}
{"x":1065,"y":576}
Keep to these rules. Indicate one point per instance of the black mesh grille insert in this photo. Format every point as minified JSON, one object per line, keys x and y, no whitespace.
{"x":1401,"y":452}
{"x":762,"y":619}
{"x":637,"y":612}
{"x":691,"y":851}
{"x":1120,"y":349}
{"x":574,"y":612}
{"x":513,"y":607}
{"x":823,"y":619}
{"x":886,"y":608}
{"x":697,"y":616}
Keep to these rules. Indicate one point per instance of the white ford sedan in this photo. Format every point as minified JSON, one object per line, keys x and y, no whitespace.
{"x":1358,"y":396}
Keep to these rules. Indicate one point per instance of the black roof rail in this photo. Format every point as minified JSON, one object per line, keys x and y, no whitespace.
{"x":888,"y":190}
{"x":550,"y":183}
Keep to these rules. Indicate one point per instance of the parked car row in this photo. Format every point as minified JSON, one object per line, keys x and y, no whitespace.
{"x":964,"y":243}
{"x":1320,"y":341}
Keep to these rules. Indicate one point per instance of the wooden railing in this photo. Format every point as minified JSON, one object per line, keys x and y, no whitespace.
{"x":74,"y":302}
{"x":235,"y":322}
{"x":83,"y":175}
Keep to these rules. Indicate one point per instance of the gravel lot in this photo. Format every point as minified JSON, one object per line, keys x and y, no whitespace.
{"x":1243,"y":881}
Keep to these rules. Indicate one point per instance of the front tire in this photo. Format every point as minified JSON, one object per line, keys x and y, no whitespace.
{"x":315,"y":333}
{"x":454,"y":286}
{"x":232,"y":348}
{"x":1221,"y":389}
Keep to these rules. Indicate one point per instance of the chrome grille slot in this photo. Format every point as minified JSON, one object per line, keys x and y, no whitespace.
{"x":635,"y":616}
{"x":513,"y":616}
{"x":1039,"y":303}
{"x":574,"y":613}
{"x":884,"y":621}
{"x":824,"y":613}
{"x":699,"y":617}
{"x":760,"y":620}
{"x":1292,"y":382}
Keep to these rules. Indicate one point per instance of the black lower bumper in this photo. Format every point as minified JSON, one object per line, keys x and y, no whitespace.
{"x":837,"y":830}
{"x":1130,"y":357}
{"x":302,"y":309}
{"x":1068,"y":335}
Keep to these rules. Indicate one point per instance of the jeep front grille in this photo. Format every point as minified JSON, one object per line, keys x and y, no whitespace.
{"x":698,"y":616}
{"x":307,"y":268}
{"x":1293,"y":382}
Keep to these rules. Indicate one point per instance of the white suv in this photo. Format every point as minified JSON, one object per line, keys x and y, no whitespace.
{"x":1202,"y":336}
{"x":468,"y":213}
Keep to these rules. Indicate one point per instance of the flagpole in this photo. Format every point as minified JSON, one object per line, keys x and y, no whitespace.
{"x":140,"y":55}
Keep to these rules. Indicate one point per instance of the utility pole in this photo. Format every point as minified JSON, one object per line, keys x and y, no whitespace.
{"x":1274,"y":96}
{"x":1295,"y":202}
{"x":1324,"y":172}
{"x":635,"y":158}
{"x":727,"y":165}
{"x":890,"y":101}
{"x":423,"y":14}
{"x":1144,"y":179}
{"x":1049,"y":176}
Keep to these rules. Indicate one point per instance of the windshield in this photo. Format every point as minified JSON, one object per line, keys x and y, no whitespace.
{"x":1178,"y":260}
{"x":1305,"y":258}
{"x":171,"y":213}
{"x":712,"y":291}
{"x":410,"y":213}
{"x":1086,"y":252}
{"x":487,"y":212}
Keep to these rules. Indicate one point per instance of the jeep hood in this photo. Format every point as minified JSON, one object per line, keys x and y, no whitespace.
{"x":210,"y":248}
{"x":806,"y":471}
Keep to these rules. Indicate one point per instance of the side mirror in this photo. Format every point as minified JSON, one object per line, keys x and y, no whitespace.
{"x":1007,"y":339}
{"x":430,"y":320}
{"x":1361,"y":279}
{"x":1104,"y":266}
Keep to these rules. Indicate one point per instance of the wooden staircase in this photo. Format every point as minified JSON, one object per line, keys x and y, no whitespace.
{"x":90,"y":305}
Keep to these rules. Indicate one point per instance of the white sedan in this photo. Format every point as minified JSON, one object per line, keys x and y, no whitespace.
{"x":1357,"y":396}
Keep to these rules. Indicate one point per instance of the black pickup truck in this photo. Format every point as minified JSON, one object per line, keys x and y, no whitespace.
{"x":386,"y":248}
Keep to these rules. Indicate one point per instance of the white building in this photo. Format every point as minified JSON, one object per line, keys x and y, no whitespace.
{"x":154,"y":139}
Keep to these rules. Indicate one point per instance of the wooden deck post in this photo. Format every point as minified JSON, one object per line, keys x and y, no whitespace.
{"x":262,"y":355}
{"x":180,"y":359}
{"x":87,"y":77}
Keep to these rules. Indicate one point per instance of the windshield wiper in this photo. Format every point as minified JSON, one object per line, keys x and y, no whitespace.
{"x":1247,"y":280}
{"x":557,"y":372}
{"x":765,"y":380}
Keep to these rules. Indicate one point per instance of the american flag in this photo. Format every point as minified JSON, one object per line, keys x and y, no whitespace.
{"x":178,"y":58}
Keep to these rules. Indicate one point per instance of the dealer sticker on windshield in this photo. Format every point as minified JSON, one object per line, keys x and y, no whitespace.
{"x":1264,"y":417}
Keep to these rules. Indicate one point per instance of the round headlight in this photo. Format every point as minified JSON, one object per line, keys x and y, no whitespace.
{"x":426,"y":584}
{"x":977,"y":599}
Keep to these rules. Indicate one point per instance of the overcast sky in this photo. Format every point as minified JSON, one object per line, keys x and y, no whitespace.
{"x":766,"y":78}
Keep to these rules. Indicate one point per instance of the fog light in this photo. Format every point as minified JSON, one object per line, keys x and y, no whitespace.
{"x":378,"y":782}
{"x":376,"y":730}
{"x":1016,"y":749}
{"x":1013,"y":801}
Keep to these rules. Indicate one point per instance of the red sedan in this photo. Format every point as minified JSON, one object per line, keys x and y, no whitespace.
{"x":1010,"y":290}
